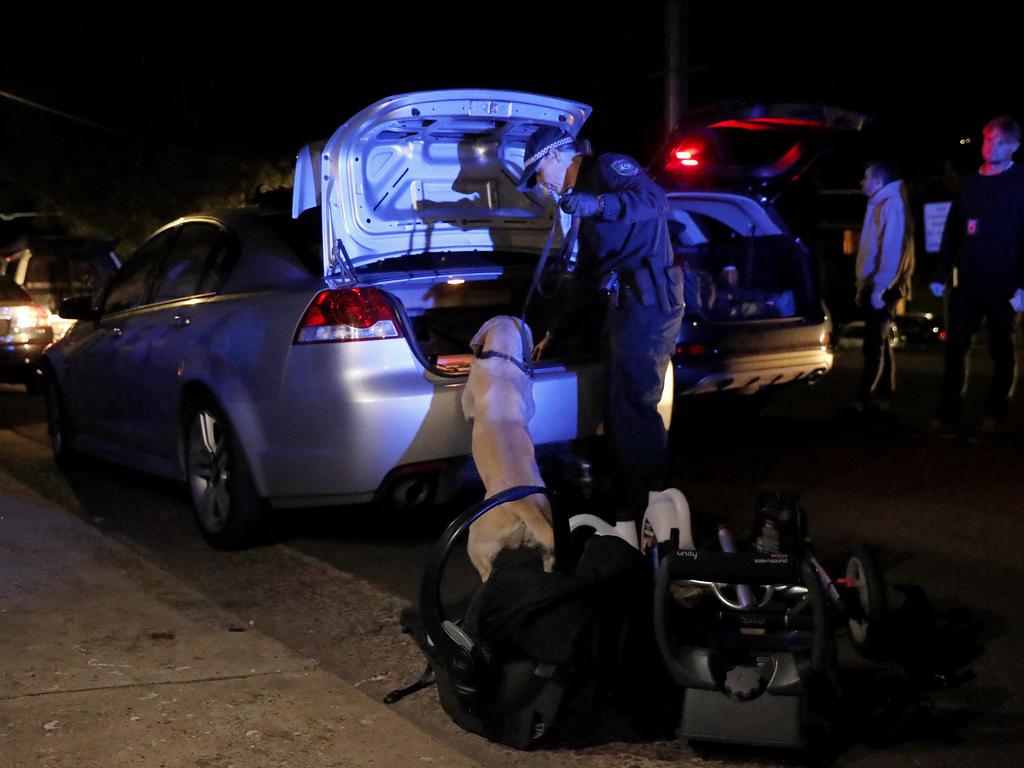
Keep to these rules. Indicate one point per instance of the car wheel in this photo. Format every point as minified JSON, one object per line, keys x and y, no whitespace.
{"x":867,"y":616}
{"x":58,"y":426}
{"x":34,"y":383}
{"x":228,"y":508}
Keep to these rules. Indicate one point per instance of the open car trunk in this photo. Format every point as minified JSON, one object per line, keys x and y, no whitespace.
{"x":741,"y":263}
{"x":445,"y":298}
{"x":417,"y":194}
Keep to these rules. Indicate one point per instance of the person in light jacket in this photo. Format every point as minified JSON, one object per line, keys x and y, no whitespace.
{"x":885,"y":265}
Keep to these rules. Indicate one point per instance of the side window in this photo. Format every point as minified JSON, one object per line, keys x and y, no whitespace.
{"x":90,"y":274}
{"x":218,"y":265}
{"x":128,"y":288}
{"x":186,"y":265}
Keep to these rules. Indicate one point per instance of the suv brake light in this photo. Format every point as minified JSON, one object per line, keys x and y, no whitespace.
{"x":684,"y":156}
{"x":348,"y":314}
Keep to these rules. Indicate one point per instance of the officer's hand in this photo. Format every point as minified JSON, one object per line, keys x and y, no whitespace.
{"x":540,"y":346}
{"x":580,"y":204}
{"x":1017,"y":302}
{"x":877,"y":302}
{"x":938,"y":289}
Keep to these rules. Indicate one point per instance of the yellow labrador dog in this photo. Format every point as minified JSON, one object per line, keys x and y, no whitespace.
{"x":499,"y":398}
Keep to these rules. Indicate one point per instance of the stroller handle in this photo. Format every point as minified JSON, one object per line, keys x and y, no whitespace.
{"x":734,"y":568}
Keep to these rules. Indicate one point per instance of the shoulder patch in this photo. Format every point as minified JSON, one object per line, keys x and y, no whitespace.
{"x":625,"y":167}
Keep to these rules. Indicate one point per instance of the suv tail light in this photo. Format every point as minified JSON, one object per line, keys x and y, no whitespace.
{"x":348,"y":314}
{"x":693,"y":350}
{"x":686,"y":157}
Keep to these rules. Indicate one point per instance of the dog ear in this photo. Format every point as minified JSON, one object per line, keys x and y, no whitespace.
{"x":477,"y":342}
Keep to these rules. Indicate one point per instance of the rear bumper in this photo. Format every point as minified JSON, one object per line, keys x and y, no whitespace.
{"x":346,"y":418}
{"x":751,"y":372}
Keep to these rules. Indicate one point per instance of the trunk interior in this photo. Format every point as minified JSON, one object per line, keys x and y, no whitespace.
{"x":737,"y":271}
{"x":444,"y":308}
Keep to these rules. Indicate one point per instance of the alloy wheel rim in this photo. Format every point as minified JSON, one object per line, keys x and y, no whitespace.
{"x":208,"y":471}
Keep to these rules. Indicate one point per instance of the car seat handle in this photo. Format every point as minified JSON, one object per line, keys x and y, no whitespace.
{"x":431,"y":610}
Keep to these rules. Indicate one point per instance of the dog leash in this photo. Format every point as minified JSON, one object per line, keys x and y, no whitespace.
{"x":539,"y":271}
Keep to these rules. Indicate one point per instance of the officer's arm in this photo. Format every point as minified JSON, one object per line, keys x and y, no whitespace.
{"x":632,"y":196}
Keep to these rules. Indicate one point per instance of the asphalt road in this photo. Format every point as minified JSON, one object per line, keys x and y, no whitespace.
{"x":945,"y":515}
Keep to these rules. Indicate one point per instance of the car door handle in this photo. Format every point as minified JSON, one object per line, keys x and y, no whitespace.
{"x":117,"y":332}
{"x":181,"y":321}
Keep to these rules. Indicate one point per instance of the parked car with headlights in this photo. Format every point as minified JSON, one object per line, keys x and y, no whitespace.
{"x":919,"y":331}
{"x":317,"y":357}
{"x":54,"y":268}
{"x":24,"y":333}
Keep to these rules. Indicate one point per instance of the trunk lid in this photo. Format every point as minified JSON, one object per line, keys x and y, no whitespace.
{"x":430,"y":172}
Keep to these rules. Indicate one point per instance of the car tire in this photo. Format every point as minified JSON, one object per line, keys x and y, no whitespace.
{"x":58,"y":425}
{"x":228,"y":508}
{"x":34,"y":384}
{"x":867,"y":619}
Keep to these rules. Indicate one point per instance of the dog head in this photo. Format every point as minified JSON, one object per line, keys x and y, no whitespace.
{"x":509,"y":336}
{"x":505,"y":334}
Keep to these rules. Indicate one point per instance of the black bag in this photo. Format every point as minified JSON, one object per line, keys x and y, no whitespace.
{"x":527,"y":637}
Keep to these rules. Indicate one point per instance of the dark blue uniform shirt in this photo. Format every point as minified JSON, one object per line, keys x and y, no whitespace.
{"x":634,"y":224}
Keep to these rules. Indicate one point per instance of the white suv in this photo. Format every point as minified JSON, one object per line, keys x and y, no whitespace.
{"x":52,"y":269}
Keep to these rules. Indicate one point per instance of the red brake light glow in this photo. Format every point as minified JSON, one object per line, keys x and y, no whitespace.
{"x":769,"y":123}
{"x":692,"y":350}
{"x":685,"y":156}
{"x":348,"y":314}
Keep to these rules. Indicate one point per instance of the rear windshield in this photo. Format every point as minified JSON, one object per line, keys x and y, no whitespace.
{"x":305,"y":238}
{"x":460,"y":261}
{"x":302,"y":235}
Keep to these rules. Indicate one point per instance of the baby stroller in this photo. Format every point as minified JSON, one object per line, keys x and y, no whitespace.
{"x":749,"y":636}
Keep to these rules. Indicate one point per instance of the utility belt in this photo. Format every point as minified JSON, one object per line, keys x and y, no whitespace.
{"x":650,"y":284}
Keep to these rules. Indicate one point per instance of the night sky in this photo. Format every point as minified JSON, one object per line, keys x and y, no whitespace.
{"x":184,"y":111}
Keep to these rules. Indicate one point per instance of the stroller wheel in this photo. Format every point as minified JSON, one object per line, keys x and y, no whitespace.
{"x":866,"y":616}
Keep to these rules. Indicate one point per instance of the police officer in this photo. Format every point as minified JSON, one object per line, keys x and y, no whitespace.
{"x":620,"y":215}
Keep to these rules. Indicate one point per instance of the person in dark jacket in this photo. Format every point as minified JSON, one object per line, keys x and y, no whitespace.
{"x":620,"y":217}
{"x":983,"y":242}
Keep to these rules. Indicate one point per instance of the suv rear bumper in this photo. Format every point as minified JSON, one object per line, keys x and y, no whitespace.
{"x":749,"y":373}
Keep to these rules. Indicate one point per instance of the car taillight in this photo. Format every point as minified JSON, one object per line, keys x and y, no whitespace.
{"x":692,"y":350}
{"x":31,"y":316}
{"x":348,"y":314}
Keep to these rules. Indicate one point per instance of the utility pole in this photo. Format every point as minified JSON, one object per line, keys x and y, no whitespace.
{"x":677,"y":61}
